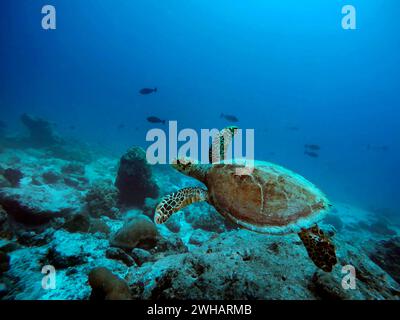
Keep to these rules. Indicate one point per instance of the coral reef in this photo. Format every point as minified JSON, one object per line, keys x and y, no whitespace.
{"x":41,"y":132}
{"x":65,"y":213}
{"x":102,"y":199}
{"x":379,"y":227}
{"x":35,"y":205}
{"x":62,"y":256}
{"x":134,"y":180}
{"x":387,"y":256}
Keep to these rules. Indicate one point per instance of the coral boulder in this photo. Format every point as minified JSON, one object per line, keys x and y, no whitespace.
{"x":138,"y":232}
{"x":134,"y":180}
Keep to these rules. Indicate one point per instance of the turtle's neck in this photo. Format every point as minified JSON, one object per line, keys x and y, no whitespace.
{"x":199,"y":172}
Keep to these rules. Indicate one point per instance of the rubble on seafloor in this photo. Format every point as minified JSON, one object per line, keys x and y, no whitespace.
{"x":70,"y":214}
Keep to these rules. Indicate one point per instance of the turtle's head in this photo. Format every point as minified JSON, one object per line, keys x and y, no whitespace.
{"x":183,"y":165}
{"x":190,"y":168}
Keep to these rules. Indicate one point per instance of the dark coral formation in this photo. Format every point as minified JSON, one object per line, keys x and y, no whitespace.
{"x":61,"y":259}
{"x":387,"y":256}
{"x":141,"y":256}
{"x":71,"y":151}
{"x":74,"y":175}
{"x":134,"y":180}
{"x":334,"y":220}
{"x":29,"y":208}
{"x":4,"y":262}
{"x":41,"y":132}
{"x":102,"y":199}
{"x":13,"y":176}
{"x":77,"y":223}
{"x":73,"y":168}
{"x":120,"y":255}
{"x":107,"y":286}
{"x":50,"y":177}
{"x":5,"y":227}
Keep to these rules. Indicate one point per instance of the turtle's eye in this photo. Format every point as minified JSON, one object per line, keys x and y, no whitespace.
{"x":186,"y":165}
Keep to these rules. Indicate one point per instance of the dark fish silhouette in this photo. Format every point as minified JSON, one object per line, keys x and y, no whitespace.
{"x":312,"y":146}
{"x":311,"y":154}
{"x":230,"y":118}
{"x":145,"y":91}
{"x":153,"y":119}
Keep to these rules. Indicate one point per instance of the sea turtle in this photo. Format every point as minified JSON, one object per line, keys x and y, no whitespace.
{"x":270,"y":199}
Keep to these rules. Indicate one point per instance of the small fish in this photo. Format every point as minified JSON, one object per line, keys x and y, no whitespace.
{"x":230,"y":118}
{"x":312,"y":146}
{"x":145,"y":91}
{"x":153,"y":119}
{"x":311,"y":154}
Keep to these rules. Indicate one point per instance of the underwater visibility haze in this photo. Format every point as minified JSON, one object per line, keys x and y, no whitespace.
{"x":80,"y":198}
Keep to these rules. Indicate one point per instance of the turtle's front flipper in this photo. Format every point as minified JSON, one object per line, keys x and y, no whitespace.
{"x":177,"y":201}
{"x":319,"y":247}
{"x":219,"y":148}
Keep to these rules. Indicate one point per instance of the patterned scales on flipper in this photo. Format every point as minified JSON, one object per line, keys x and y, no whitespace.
{"x":219,"y":148}
{"x":177,"y":201}
{"x":319,"y":248}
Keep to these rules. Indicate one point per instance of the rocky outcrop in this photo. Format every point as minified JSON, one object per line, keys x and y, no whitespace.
{"x":63,"y":256}
{"x":134,"y":179}
{"x":41,"y":132}
{"x":35,"y":205}
{"x":246,"y":265}
{"x":387,"y":256}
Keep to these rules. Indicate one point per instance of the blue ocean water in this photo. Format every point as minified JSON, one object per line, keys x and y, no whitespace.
{"x":276,"y":65}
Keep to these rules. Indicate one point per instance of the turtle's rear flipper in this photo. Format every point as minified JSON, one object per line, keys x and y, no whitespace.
{"x":219,"y":148}
{"x":177,"y":201}
{"x":319,"y":247}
